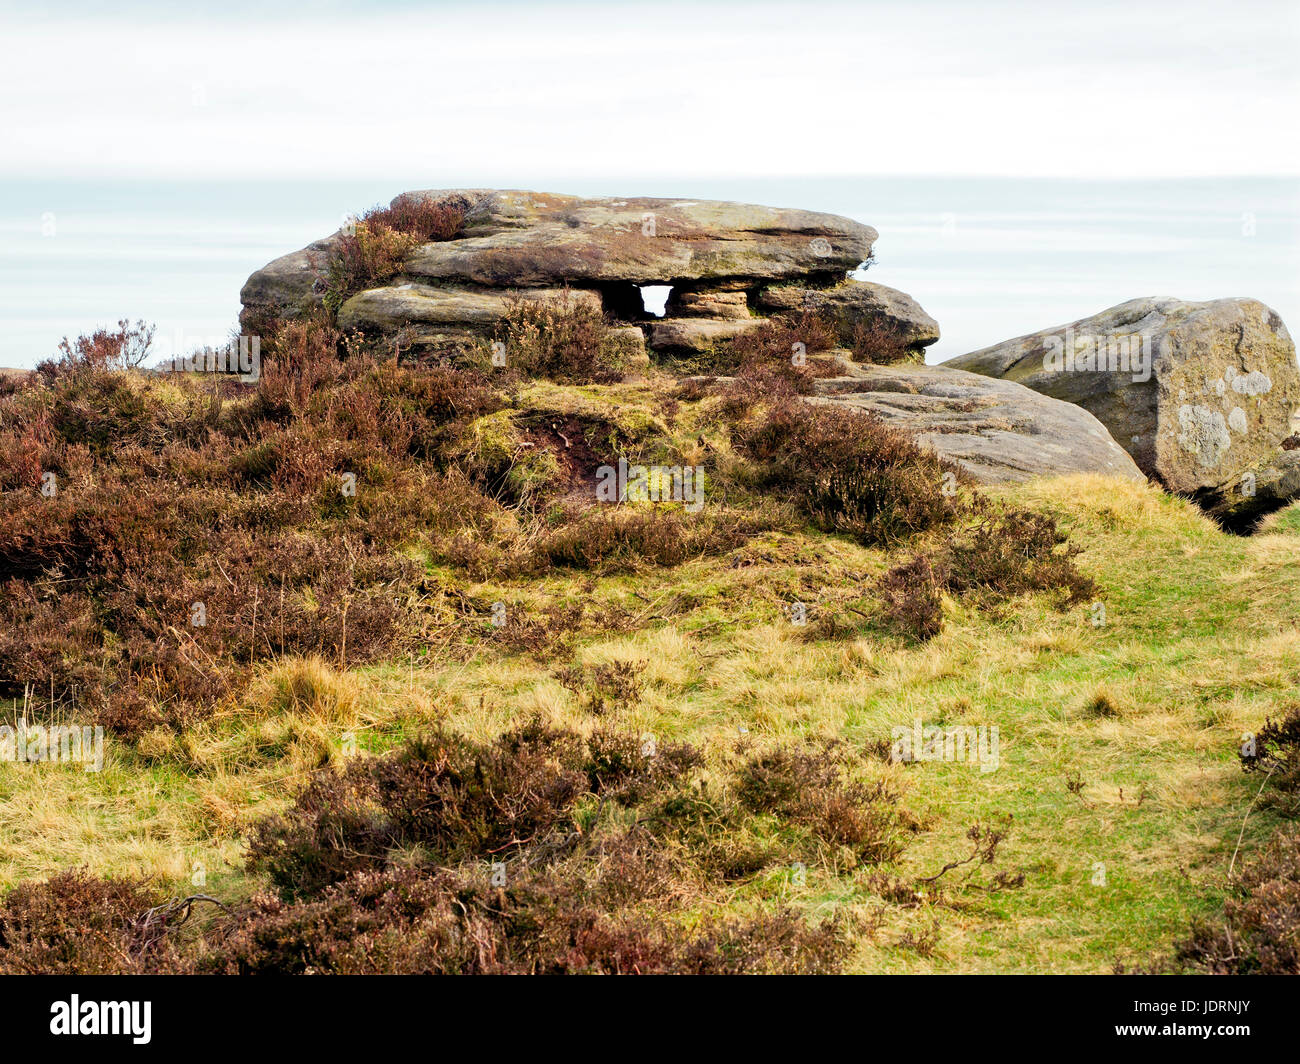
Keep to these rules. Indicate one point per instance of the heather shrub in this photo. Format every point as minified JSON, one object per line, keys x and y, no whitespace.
{"x":76,"y":924}
{"x":427,"y":219}
{"x":287,"y":510}
{"x":847,"y":471}
{"x":1013,"y":552}
{"x":596,"y":840}
{"x":604,"y":688}
{"x":24,"y":456}
{"x":301,"y":357}
{"x":1275,"y":750}
{"x":125,"y":347}
{"x":623,"y":768}
{"x":459,"y":799}
{"x":882,"y":343}
{"x":772,"y":359}
{"x":779,"y":339}
{"x":911,"y":600}
{"x":570,"y":918}
{"x":1259,"y":933}
{"x":336,"y":827}
{"x":370,"y":253}
{"x":546,"y":922}
{"x":100,"y":410}
{"x":1002,"y":554}
{"x":190,"y":534}
{"x":454,"y":798}
{"x":540,"y":851}
{"x":377,"y":244}
{"x":570,"y":342}
{"x":815,"y":789}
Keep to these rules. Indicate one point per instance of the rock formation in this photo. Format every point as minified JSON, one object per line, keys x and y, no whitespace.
{"x":726,"y":264}
{"x":1200,"y":394}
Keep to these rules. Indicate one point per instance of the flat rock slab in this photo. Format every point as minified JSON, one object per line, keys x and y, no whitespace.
{"x":996,"y":430}
{"x":418,"y":304}
{"x":710,"y":303}
{"x":1198,"y":393}
{"x":534,"y":238}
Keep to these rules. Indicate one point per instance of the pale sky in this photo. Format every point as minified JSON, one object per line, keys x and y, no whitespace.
{"x":516,"y":94}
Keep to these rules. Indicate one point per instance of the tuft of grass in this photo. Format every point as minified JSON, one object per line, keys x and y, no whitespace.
{"x":1103,"y":703}
{"x":307,"y":687}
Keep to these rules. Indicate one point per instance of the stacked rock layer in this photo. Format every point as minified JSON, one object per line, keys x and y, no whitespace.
{"x":727,"y":265}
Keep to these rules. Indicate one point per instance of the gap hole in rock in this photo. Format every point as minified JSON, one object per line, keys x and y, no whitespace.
{"x":655,"y":298}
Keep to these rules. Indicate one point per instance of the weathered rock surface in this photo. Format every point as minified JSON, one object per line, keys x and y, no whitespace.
{"x":709,"y":303}
{"x":285,"y":286}
{"x":419,"y":304}
{"x":1198,"y":393}
{"x":632,"y":340}
{"x":854,"y":303}
{"x":997,"y":430}
{"x":518,"y":239}
{"x":692,"y":336}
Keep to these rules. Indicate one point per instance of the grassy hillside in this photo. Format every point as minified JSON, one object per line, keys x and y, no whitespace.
{"x":1106,"y":828}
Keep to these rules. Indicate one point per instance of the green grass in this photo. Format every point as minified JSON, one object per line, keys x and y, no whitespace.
{"x":1200,"y":644}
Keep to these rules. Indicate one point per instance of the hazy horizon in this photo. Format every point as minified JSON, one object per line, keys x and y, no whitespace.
{"x":988,"y":258}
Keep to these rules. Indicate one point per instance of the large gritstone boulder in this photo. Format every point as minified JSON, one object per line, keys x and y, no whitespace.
{"x":1200,"y":394}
